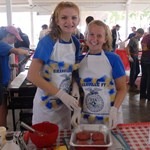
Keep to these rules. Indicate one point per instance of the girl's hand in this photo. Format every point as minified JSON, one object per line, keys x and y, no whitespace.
{"x":68,"y":100}
{"x":75,"y":120}
{"x":113,"y":117}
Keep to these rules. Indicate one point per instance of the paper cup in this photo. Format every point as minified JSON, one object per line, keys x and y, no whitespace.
{"x":2,"y":135}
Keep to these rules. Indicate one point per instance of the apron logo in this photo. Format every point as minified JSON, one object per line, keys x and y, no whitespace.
{"x":94,"y":101}
{"x":65,"y":84}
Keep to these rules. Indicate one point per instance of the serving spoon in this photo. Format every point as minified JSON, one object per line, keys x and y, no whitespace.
{"x":31,"y":129}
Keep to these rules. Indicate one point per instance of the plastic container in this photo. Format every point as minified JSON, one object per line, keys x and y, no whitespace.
{"x":89,"y":144}
{"x":10,"y":145}
{"x":2,"y":136}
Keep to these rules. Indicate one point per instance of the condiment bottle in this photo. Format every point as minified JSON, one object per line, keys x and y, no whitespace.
{"x":10,"y":144}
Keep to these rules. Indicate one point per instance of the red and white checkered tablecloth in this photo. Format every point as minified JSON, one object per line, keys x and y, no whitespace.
{"x":62,"y":134}
{"x":59,"y":142}
{"x":136,"y":135}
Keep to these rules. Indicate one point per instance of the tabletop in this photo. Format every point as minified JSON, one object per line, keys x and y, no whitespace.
{"x":131,"y":136}
{"x":63,"y":140}
{"x":16,"y":83}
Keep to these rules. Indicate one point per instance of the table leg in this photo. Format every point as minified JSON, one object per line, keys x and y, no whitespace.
{"x":13,"y":117}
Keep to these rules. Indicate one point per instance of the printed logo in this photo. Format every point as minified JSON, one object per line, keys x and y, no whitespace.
{"x":65,"y":84}
{"x":94,"y":101}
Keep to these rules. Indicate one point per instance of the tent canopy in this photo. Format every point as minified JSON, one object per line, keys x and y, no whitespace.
{"x":47,"y":6}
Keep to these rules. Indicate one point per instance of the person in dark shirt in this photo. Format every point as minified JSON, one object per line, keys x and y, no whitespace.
{"x":24,"y":44}
{"x":132,"y":51}
{"x":80,"y":37}
{"x":115,"y":37}
{"x":25,"y":38}
{"x":131,"y":34}
{"x":78,"y":34}
{"x":1,"y":82}
{"x":145,"y":66}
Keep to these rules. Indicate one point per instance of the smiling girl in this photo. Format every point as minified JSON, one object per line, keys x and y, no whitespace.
{"x":102,"y":78}
{"x":52,"y":66}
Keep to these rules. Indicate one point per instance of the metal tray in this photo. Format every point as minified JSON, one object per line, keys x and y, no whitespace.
{"x":92,"y":128}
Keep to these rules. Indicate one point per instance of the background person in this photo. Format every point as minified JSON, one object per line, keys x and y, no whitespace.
{"x":8,"y":36}
{"x":84,"y":47}
{"x":131,"y":34}
{"x":145,"y":66}
{"x":52,"y":66}
{"x":25,"y":40}
{"x":24,"y":44}
{"x":80,"y":37}
{"x":44,"y":31}
{"x":115,"y":37}
{"x":87,"y":21}
{"x":78,"y":34}
{"x":133,"y":51}
{"x":102,"y":78}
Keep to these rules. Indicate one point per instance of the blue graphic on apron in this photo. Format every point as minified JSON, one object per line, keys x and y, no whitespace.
{"x":94,"y":101}
{"x":57,"y":71}
{"x":97,"y":103}
{"x":65,"y":84}
{"x":64,"y":72}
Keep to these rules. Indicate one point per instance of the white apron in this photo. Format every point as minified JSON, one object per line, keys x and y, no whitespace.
{"x":99,"y":88}
{"x":59,"y":72}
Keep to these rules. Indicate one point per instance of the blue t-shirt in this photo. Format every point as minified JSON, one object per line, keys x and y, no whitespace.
{"x":118,"y":69}
{"x":131,"y":35}
{"x":4,"y":54}
{"x":45,"y":48}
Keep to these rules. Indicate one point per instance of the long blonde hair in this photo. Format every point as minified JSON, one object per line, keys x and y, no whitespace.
{"x":55,"y":29}
{"x":108,"y":45}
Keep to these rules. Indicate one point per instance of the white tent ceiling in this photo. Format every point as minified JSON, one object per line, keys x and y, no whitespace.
{"x":47,"y":6}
